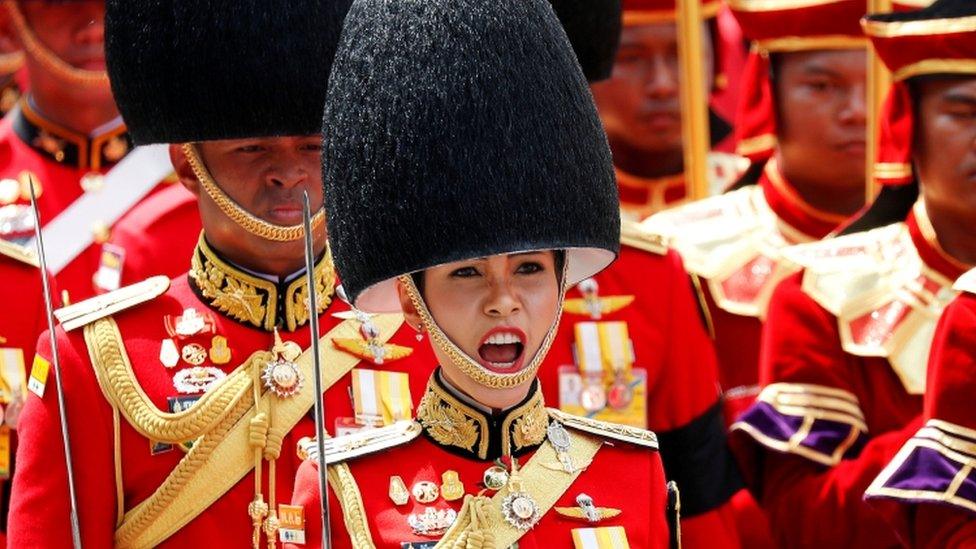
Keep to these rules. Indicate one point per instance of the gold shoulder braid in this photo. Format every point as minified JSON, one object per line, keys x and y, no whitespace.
{"x":450,"y":422}
{"x":254,"y":300}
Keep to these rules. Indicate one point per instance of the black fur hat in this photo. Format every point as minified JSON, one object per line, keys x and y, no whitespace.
{"x":593,"y":27}
{"x":457,"y":129}
{"x":199,"y":70}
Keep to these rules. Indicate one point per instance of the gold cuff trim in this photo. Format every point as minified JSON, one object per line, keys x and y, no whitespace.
{"x":793,"y":445}
{"x":807,"y":43}
{"x":753,"y":145}
{"x":936,"y":66}
{"x":926,"y":27}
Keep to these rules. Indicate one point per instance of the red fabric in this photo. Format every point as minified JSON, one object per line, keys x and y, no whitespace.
{"x":60,"y":187}
{"x":756,"y":116}
{"x":801,"y":19}
{"x":656,"y":5}
{"x":897,"y":134}
{"x":39,"y":510}
{"x":158,"y":235}
{"x":640,"y":492}
{"x":899,"y":49}
{"x":671,"y":343}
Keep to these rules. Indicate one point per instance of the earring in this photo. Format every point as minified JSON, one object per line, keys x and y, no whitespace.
{"x":420,"y":333}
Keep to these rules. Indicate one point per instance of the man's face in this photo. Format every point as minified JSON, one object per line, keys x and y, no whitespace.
{"x":822,"y":115}
{"x":639,"y":104}
{"x":266,"y":177}
{"x":945,"y":143}
{"x":74,"y":31}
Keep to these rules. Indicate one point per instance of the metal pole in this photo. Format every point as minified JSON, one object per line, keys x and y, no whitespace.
{"x":56,"y":363}
{"x":313,"y":323}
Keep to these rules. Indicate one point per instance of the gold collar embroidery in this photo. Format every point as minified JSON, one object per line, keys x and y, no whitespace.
{"x":479,"y":434}
{"x":254,"y":300}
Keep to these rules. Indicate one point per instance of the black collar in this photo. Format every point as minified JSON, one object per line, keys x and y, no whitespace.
{"x":66,"y":147}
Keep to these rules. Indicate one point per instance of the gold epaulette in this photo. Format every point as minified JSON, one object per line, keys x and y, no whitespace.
{"x":631,"y":234}
{"x":966,"y":282}
{"x":18,"y":252}
{"x":605,"y":429}
{"x":101,"y":306}
{"x":360,"y":443}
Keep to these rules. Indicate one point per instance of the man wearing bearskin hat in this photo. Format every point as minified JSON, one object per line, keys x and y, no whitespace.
{"x":475,"y":114}
{"x":847,"y":339}
{"x":185,"y":398}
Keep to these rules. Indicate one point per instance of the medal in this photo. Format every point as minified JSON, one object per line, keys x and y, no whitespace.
{"x":518,"y":507}
{"x":11,"y":415}
{"x":219,"y":352}
{"x":189,"y":323}
{"x":560,"y":440}
{"x":198,"y":379}
{"x":398,"y":491}
{"x":620,"y":395}
{"x":194,"y":354}
{"x":282,"y":376}
{"x":586,"y":511}
{"x":495,"y":477}
{"x":451,"y":487}
{"x":432,"y":522}
{"x":168,"y":355}
{"x":593,"y":397}
{"x":425,"y":492}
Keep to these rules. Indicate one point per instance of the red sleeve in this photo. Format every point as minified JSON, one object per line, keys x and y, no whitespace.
{"x":809,"y":502}
{"x":938,"y":527}
{"x":307,"y":496}
{"x":39,"y":509}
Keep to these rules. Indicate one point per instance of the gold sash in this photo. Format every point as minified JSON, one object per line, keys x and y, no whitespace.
{"x":540,"y":480}
{"x":222,"y":456}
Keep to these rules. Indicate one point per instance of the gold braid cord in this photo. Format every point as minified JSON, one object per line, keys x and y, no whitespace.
{"x":246,"y":220}
{"x":468,"y":365}
{"x":118,"y":382}
{"x":353,"y":511}
{"x":46,"y":57}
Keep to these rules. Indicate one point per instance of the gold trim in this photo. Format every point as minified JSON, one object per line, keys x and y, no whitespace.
{"x":924,"y":27}
{"x":544,"y":485}
{"x":223,"y":456}
{"x":753,"y":145}
{"x":236,"y":213}
{"x":350,"y":498}
{"x":936,"y":66}
{"x":928,"y":233}
{"x":777,"y":5}
{"x":18,"y":252}
{"x":892,"y":170}
{"x":451,"y":422}
{"x":632,"y":18}
{"x":254,"y":300}
{"x":807,"y":43}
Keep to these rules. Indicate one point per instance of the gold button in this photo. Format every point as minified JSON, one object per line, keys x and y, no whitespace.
{"x":100,"y":232}
{"x":92,"y":182}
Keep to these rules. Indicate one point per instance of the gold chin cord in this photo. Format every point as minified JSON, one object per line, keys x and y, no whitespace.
{"x":468,"y":365}
{"x":246,"y":220}
{"x":50,"y":60}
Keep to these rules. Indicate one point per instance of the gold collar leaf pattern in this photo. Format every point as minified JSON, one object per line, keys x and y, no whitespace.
{"x":450,"y":422}
{"x":253,"y":300}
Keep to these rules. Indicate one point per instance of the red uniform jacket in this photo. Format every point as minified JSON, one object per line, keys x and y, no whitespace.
{"x":621,"y":476}
{"x":842,"y":382}
{"x":929,"y":488}
{"x":39,"y":514}
{"x":156,"y":237}
{"x":671,"y":344}
{"x":59,"y":160}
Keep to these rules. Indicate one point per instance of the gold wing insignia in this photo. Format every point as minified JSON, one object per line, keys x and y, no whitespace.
{"x":577,"y":513}
{"x":372,"y":351}
{"x":598,"y":306}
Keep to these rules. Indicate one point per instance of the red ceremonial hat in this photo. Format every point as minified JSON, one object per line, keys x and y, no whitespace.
{"x":785,"y":26}
{"x":643,"y":12}
{"x":939,"y":39}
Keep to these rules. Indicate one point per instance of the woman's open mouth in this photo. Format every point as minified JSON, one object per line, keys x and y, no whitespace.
{"x":502,"y":350}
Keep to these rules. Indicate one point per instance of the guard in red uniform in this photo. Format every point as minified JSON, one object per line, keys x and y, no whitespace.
{"x":157,"y":236}
{"x":67,"y":134}
{"x":23,"y":322}
{"x":506,"y":225}
{"x":847,"y":339}
{"x":640,"y":108}
{"x":181,"y":394}
{"x":930,"y":480}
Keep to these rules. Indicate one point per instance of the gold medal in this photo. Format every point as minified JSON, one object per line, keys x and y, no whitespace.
{"x":451,"y":487}
{"x":219,"y":352}
{"x":425,"y":491}
{"x":194,"y":354}
{"x":398,"y":491}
